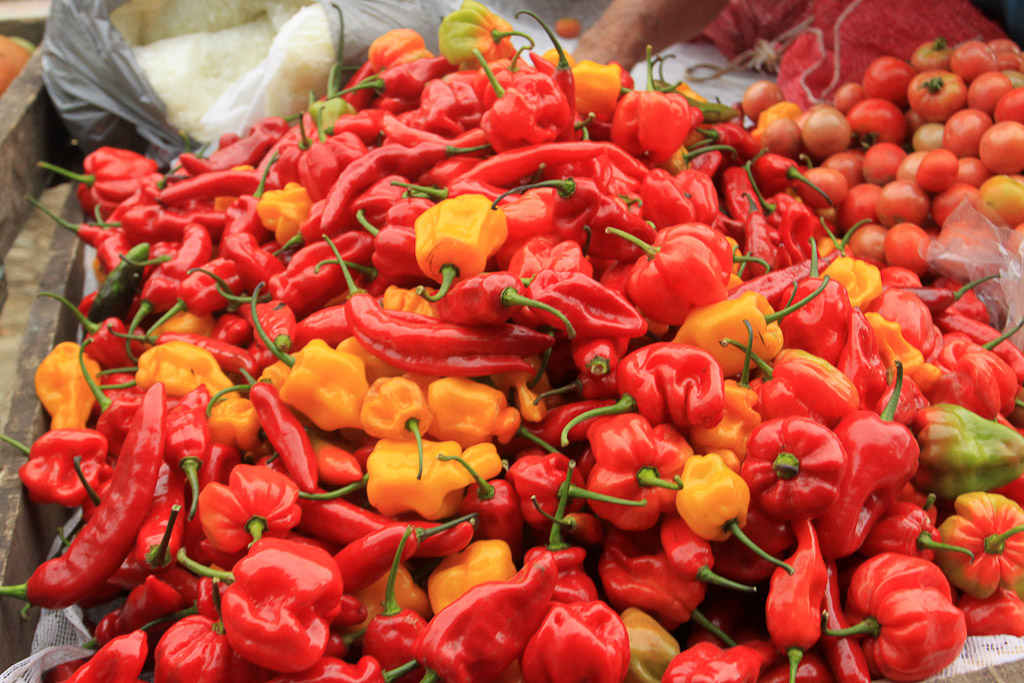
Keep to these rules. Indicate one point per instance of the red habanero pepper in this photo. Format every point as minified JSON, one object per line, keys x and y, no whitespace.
{"x":793,"y":610}
{"x":651,"y":124}
{"x":198,"y":290}
{"x":775,"y":173}
{"x":106,"y":539}
{"x":738,"y":562}
{"x":803,"y":384}
{"x":734,"y":135}
{"x":984,"y":334}
{"x":417,"y":343}
{"x":196,"y":649}
{"x":978,"y":380}
{"x":121,"y":659}
{"x":907,"y":529}
{"x":820,"y":327}
{"x":150,"y":600}
{"x":690,"y":555}
{"x":597,"y":356}
{"x":232,"y":329}
{"x":404,"y":81}
{"x":158,"y":540}
{"x":578,"y":641}
{"x":503,"y":614}
{"x":377,"y":200}
{"x":707,"y":663}
{"x":541,"y":476}
{"x":497,"y":506}
{"x":549,"y":429}
{"x":811,"y":669}
{"x":243,"y":151}
{"x":218,"y":465}
{"x":286,"y":434}
{"x":915,"y":320}
{"x":861,"y":362}
{"x":593,"y":309}
{"x":531,"y":109}
{"x":447,"y":108}
{"x":49,"y":473}
{"x":612,"y":212}
{"x":394,"y":255}
{"x":1001,"y":613}
{"x":188,"y":440}
{"x":548,"y":253}
{"x":111,"y":176}
{"x":277,"y":319}
{"x":760,"y":240}
{"x":673,"y":199}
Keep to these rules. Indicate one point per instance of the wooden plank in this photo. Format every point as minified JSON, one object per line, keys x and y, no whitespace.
{"x":29,"y":131}
{"x":27,"y":530}
{"x":29,"y":28}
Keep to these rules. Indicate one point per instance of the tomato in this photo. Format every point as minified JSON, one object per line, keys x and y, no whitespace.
{"x":567,"y":27}
{"x":1002,"y":198}
{"x":860,"y":203}
{"x":946,"y":202}
{"x":759,"y":96}
{"x":936,"y":94}
{"x":927,"y":137}
{"x":902,"y":201}
{"x":887,"y":78}
{"x":877,"y":120}
{"x":1002,"y":147}
{"x":850,"y":163}
{"x":825,"y":131}
{"x":881,"y":162}
{"x":972,"y":171}
{"x":963,"y":130}
{"x":907,"y":170}
{"x":905,"y":246}
{"x":931,"y":55}
{"x":937,"y":171}
{"x":847,"y":95}
{"x":914,"y":121}
{"x":986,"y":89}
{"x":830,"y":181}
{"x":972,"y":58}
{"x":1003,"y":45}
{"x":1016,"y":77}
{"x":1010,"y":106}
{"x":868,"y":242}
{"x":782,"y":136}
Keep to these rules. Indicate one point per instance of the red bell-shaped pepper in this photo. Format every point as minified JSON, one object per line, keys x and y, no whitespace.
{"x":708,"y":663}
{"x":257,"y":501}
{"x":578,"y":641}
{"x":121,"y":659}
{"x":807,"y":386}
{"x":196,"y":649}
{"x":49,"y":473}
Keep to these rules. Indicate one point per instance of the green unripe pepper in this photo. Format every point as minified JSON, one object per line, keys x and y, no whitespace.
{"x":651,"y":647}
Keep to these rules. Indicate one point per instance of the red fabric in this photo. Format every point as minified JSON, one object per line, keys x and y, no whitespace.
{"x":865,"y":29}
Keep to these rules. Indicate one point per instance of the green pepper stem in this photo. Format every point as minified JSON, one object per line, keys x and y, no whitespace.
{"x":545,"y":358}
{"x":367,"y":83}
{"x":971,"y":285}
{"x":222,"y":287}
{"x":793,"y":173}
{"x":484,"y":489}
{"x":118,"y":371}
{"x":216,"y":398}
{"x":422,"y":534}
{"x":122,"y":385}
{"x":868,"y":626}
{"x":174,"y":616}
{"x":734,"y":527}
{"x":67,"y":225}
{"x":747,"y":354}
{"x":563,"y":61}
{"x":158,"y":557}
{"x":648,"y":477}
{"x":20,"y":591}
{"x":575,"y":385}
{"x":786,"y":465}
{"x":263,"y":178}
{"x":814,"y":256}
{"x":555,"y":540}
{"x":511,"y":297}
{"x":765,"y":369}
{"x":80,"y":177}
{"x":294,"y":241}
{"x":89,"y":490}
{"x":285,"y":358}
{"x":580,"y":493}
{"x":778,"y":315}
{"x":996,"y":543}
{"x":17,"y":444}
{"x":492,"y":79}
{"x":929,"y":501}
{"x":174,"y":310}
{"x":563,"y":521}
{"x":97,"y":393}
{"x":145,"y":263}
{"x":391,"y":606}
{"x":698,"y":618}
{"x":435,"y":193}
{"x":256,"y":526}
{"x":430,"y":677}
{"x":768,"y":208}
{"x":897,"y":388}
{"x":566,"y":187}
{"x":452,"y":151}
{"x":145,"y":308}
{"x":497,"y":36}
{"x":201,"y":569}
{"x":794,"y":654}
{"x":709,"y":148}
{"x":706,"y":575}
{"x":1003,"y":337}
{"x":828,"y":231}
{"x":533,"y":438}
{"x":745,"y":259}
{"x":849,"y":233}
{"x":626,"y":404}
{"x":448,"y":274}
{"x":88,"y":325}
{"x":926,"y":542}
{"x":402,"y":670}
{"x":649,"y":249}
{"x":367,"y":225}
{"x":191,"y":466}
{"x":337,"y":493}
{"x":358,"y":267}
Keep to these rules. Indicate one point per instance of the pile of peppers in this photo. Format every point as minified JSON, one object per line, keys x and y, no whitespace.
{"x":495,"y":367}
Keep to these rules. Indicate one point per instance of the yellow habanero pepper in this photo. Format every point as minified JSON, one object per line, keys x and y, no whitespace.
{"x":282,"y":211}
{"x":455,"y":237}
{"x":862,"y":280}
{"x":740,"y":418}
{"x":233,"y":422}
{"x":326,"y":385}
{"x":407,"y":594}
{"x":62,"y":389}
{"x":893,"y":346}
{"x":470,"y":412}
{"x":276,"y":374}
{"x":393,"y":487}
{"x":181,"y":367}
{"x":398,"y":299}
{"x":705,"y":327}
{"x":480,"y":562}
{"x":184,"y":322}
{"x":530,"y":409}
{"x":598,"y":87}
{"x":553,"y":57}
{"x":375,"y":367}
{"x":395,"y":408}
{"x":779,"y":110}
{"x":714,"y":499}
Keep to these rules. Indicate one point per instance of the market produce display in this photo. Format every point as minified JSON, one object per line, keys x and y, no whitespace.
{"x":494,"y":367}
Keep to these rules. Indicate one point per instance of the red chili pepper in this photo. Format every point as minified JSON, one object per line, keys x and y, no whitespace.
{"x":147,"y":602}
{"x":233,"y":329}
{"x":806,"y":385}
{"x":844,"y":655}
{"x":1002,"y":613}
{"x":777,"y":285}
{"x":497,"y":506}
{"x":690,"y":555}
{"x":224,"y":183}
{"x":254,"y":264}
{"x":479,"y":635}
{"x":121,"y":659}
{"x":907,"y":529}
{"x":447,"y":108}
{"x":286,"y":434}
{"x":978,"y":380}
{"x":256,"y":501}
{"x":708,"y":663}
{"x":330,"y":324}
{"x":983,"y":334}
{"x":111,"y":176}
{"x":196,"y":649}
{"x":307,"y":283}
{"x":49,"y":473}
{"x":578,"y":641}
{"x":651,"y":125}
{"x":736,"y":561}
{"x":160,"y":536}
{"x":243,"y":151}
{"x":321,"y":164}
{"x":530,"y":109}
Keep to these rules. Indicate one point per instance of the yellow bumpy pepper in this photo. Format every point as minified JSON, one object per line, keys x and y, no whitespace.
{"x":276,"y":374}
{"x":62,"y":389}
{"x":282,"y":211}
{"x":714,"y":499}
{"x":327,"y":386}
{"x":181,"y":367}
{"x":395,"y":408}
{"x":480,"y":562}
{"x":862,"y":280}
{"x":455,"y":237}
{"x":530,"y":409}
{"x":707,"y":326}
{"x":185,"y":322}
{"x":398,"y":299}
{"x":598,"y":87}
{"x":893,"y":346}
{"x":470,"y":412}
{"x":738,"y":421}
{"x":233,"y":422}
{"x":375,"y":367}
{"x":393,"y":487}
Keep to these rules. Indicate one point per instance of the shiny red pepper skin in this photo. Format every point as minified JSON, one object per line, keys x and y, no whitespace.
{"x":196,"y":650}
{"x":170,"y":491}
{"x":286,"y":434}
{"x":860,"y":361}
{"x":199,"y":292}
{"x":333,"y":670}
{"x":1002,"y":613}
{"x":233,"y":329}
{"x":304,"y":286}
{"x":149,"y":601}
{"x":683,"y":198}
{"x":651,"y":125}
{"x":844,"y":655}
{"x":106,"y":539}
{"x":793,"y":609}
{"x":708,"y":663}
{"x":499,"y":514}
{"x":541,"y":475}
{"x":49,"y":473}
{"x":121,"y":659}
{"x":578,"y":641}
{"x":735,"y":561}
{"x":573,"y":584}
{"x":243,"y":151}
{"x":321,"y":164}
{"x":980,"y":333}
{"x":548,"y":253}
{"x":330,"y":324}
{"x":674,"y":383}
{"x":593,"y":309}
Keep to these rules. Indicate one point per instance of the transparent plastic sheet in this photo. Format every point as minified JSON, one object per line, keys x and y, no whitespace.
{"x":971,"y":246}
{"x":104,"y":97}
